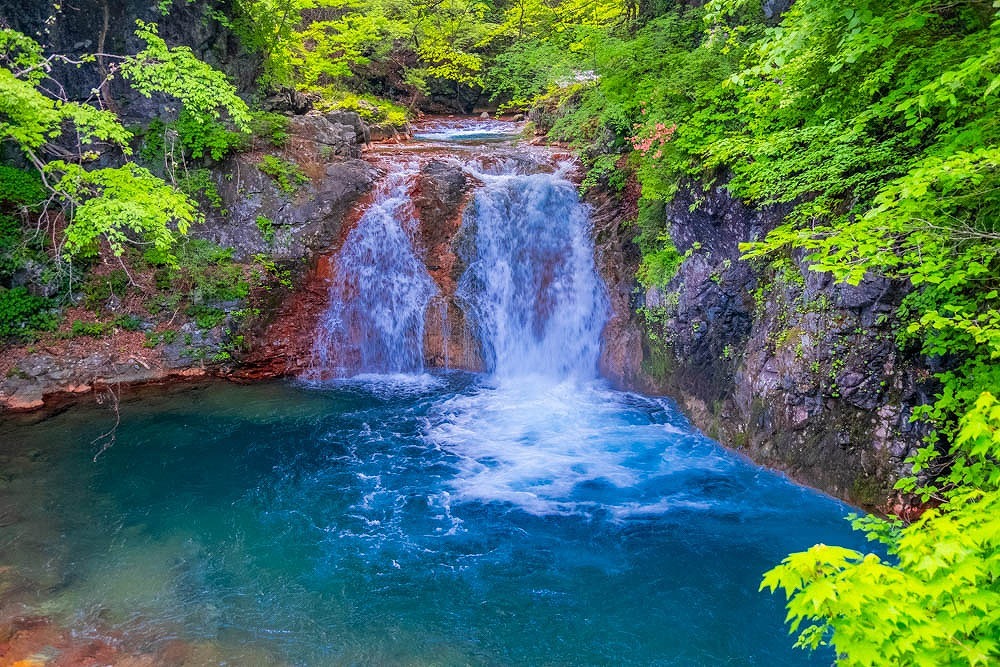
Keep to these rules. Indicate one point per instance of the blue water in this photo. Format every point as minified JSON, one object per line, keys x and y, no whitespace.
{"x":444,"y":519}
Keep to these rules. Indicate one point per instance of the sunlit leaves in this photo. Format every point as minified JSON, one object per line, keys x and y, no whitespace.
{"x":23,"y":56}
{"x":877,"y":122}
{"x":939,"y":604}
{"x":120,"y":205}
{"x":112,"y":205}
{"x":203,"y":90}
{"x":27,"y":117}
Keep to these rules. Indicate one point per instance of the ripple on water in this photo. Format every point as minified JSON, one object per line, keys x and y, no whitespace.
{"x":468,"y":130}
{"x":466,"y":522}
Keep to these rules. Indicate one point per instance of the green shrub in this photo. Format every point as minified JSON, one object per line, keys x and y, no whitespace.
{"x":660,"y":266}
{"x":206,"y":317}
{"x":98,"y":289}
{"x":270,"y":127}
{"x":219,"y":283}
{"x":153,"y":145}
{"x":288,"y":176}
{"x":372,"y":109}
{"x":11,"y":242}
{"x":193,"y":252}
{"x":205,"y":137}
{"x":10,"y":231}
{"x":21,"y":188}
{"x":154,"y":338}
{"x":128,"y":322}
{"x":604,"y":169}
{"x":163,"y":278}
{"x":205,"y":273}
{"x":22,"y":314}
{"x":198,"y":183}
{"x":266,"y":227}
{"x":91,"y":329}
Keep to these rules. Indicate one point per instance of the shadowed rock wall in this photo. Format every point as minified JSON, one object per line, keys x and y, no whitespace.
{"x":108,"y":26}
{"x":800,"y":373}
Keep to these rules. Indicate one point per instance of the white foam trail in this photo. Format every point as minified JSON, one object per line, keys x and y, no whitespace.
{"x":550,"y":447}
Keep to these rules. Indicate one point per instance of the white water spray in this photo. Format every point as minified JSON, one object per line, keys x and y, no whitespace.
{"x":379,"y":293}
{"x":531,"y":287}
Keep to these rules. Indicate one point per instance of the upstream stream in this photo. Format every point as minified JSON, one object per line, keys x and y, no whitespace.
{"x":377,"y":512}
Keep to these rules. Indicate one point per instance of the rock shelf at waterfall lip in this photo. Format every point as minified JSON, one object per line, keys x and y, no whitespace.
{"x":467,"y":130}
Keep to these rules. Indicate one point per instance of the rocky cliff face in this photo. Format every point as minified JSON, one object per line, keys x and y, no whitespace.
{"x":258,"y":217}
{"x":798,"y":372}
{"x":301,"y":226}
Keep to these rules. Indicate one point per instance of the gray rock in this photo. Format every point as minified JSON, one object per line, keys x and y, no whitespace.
{"x":800,"y":372}
{"x":306,"y":221}
{"x":75,"y":25}
{"x":340,"y":138}
{"x":351,"y":119}
{"x":775,"y":8}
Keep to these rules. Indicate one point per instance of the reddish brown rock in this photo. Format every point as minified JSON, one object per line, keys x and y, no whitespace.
{"x":617,"y":258}
{"x":440,"y":193}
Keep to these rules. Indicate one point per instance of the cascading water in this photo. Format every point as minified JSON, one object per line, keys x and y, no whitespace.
{"x":531,"y":285}
{"x":379,"y":292}
{"x":530,"y":289}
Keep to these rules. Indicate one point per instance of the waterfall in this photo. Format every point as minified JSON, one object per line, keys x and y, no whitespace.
{"x":531,"y":287}
{"x":530,"y":291}
{"x":379,"y":291}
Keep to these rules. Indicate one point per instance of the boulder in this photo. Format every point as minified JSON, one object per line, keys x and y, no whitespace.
{"x":440,"y":193}
{"x":342,"y":134}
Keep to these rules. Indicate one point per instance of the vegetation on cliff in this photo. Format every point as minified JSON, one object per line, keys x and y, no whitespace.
{"x":877,"y":124}
{"x":95,"y":213}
